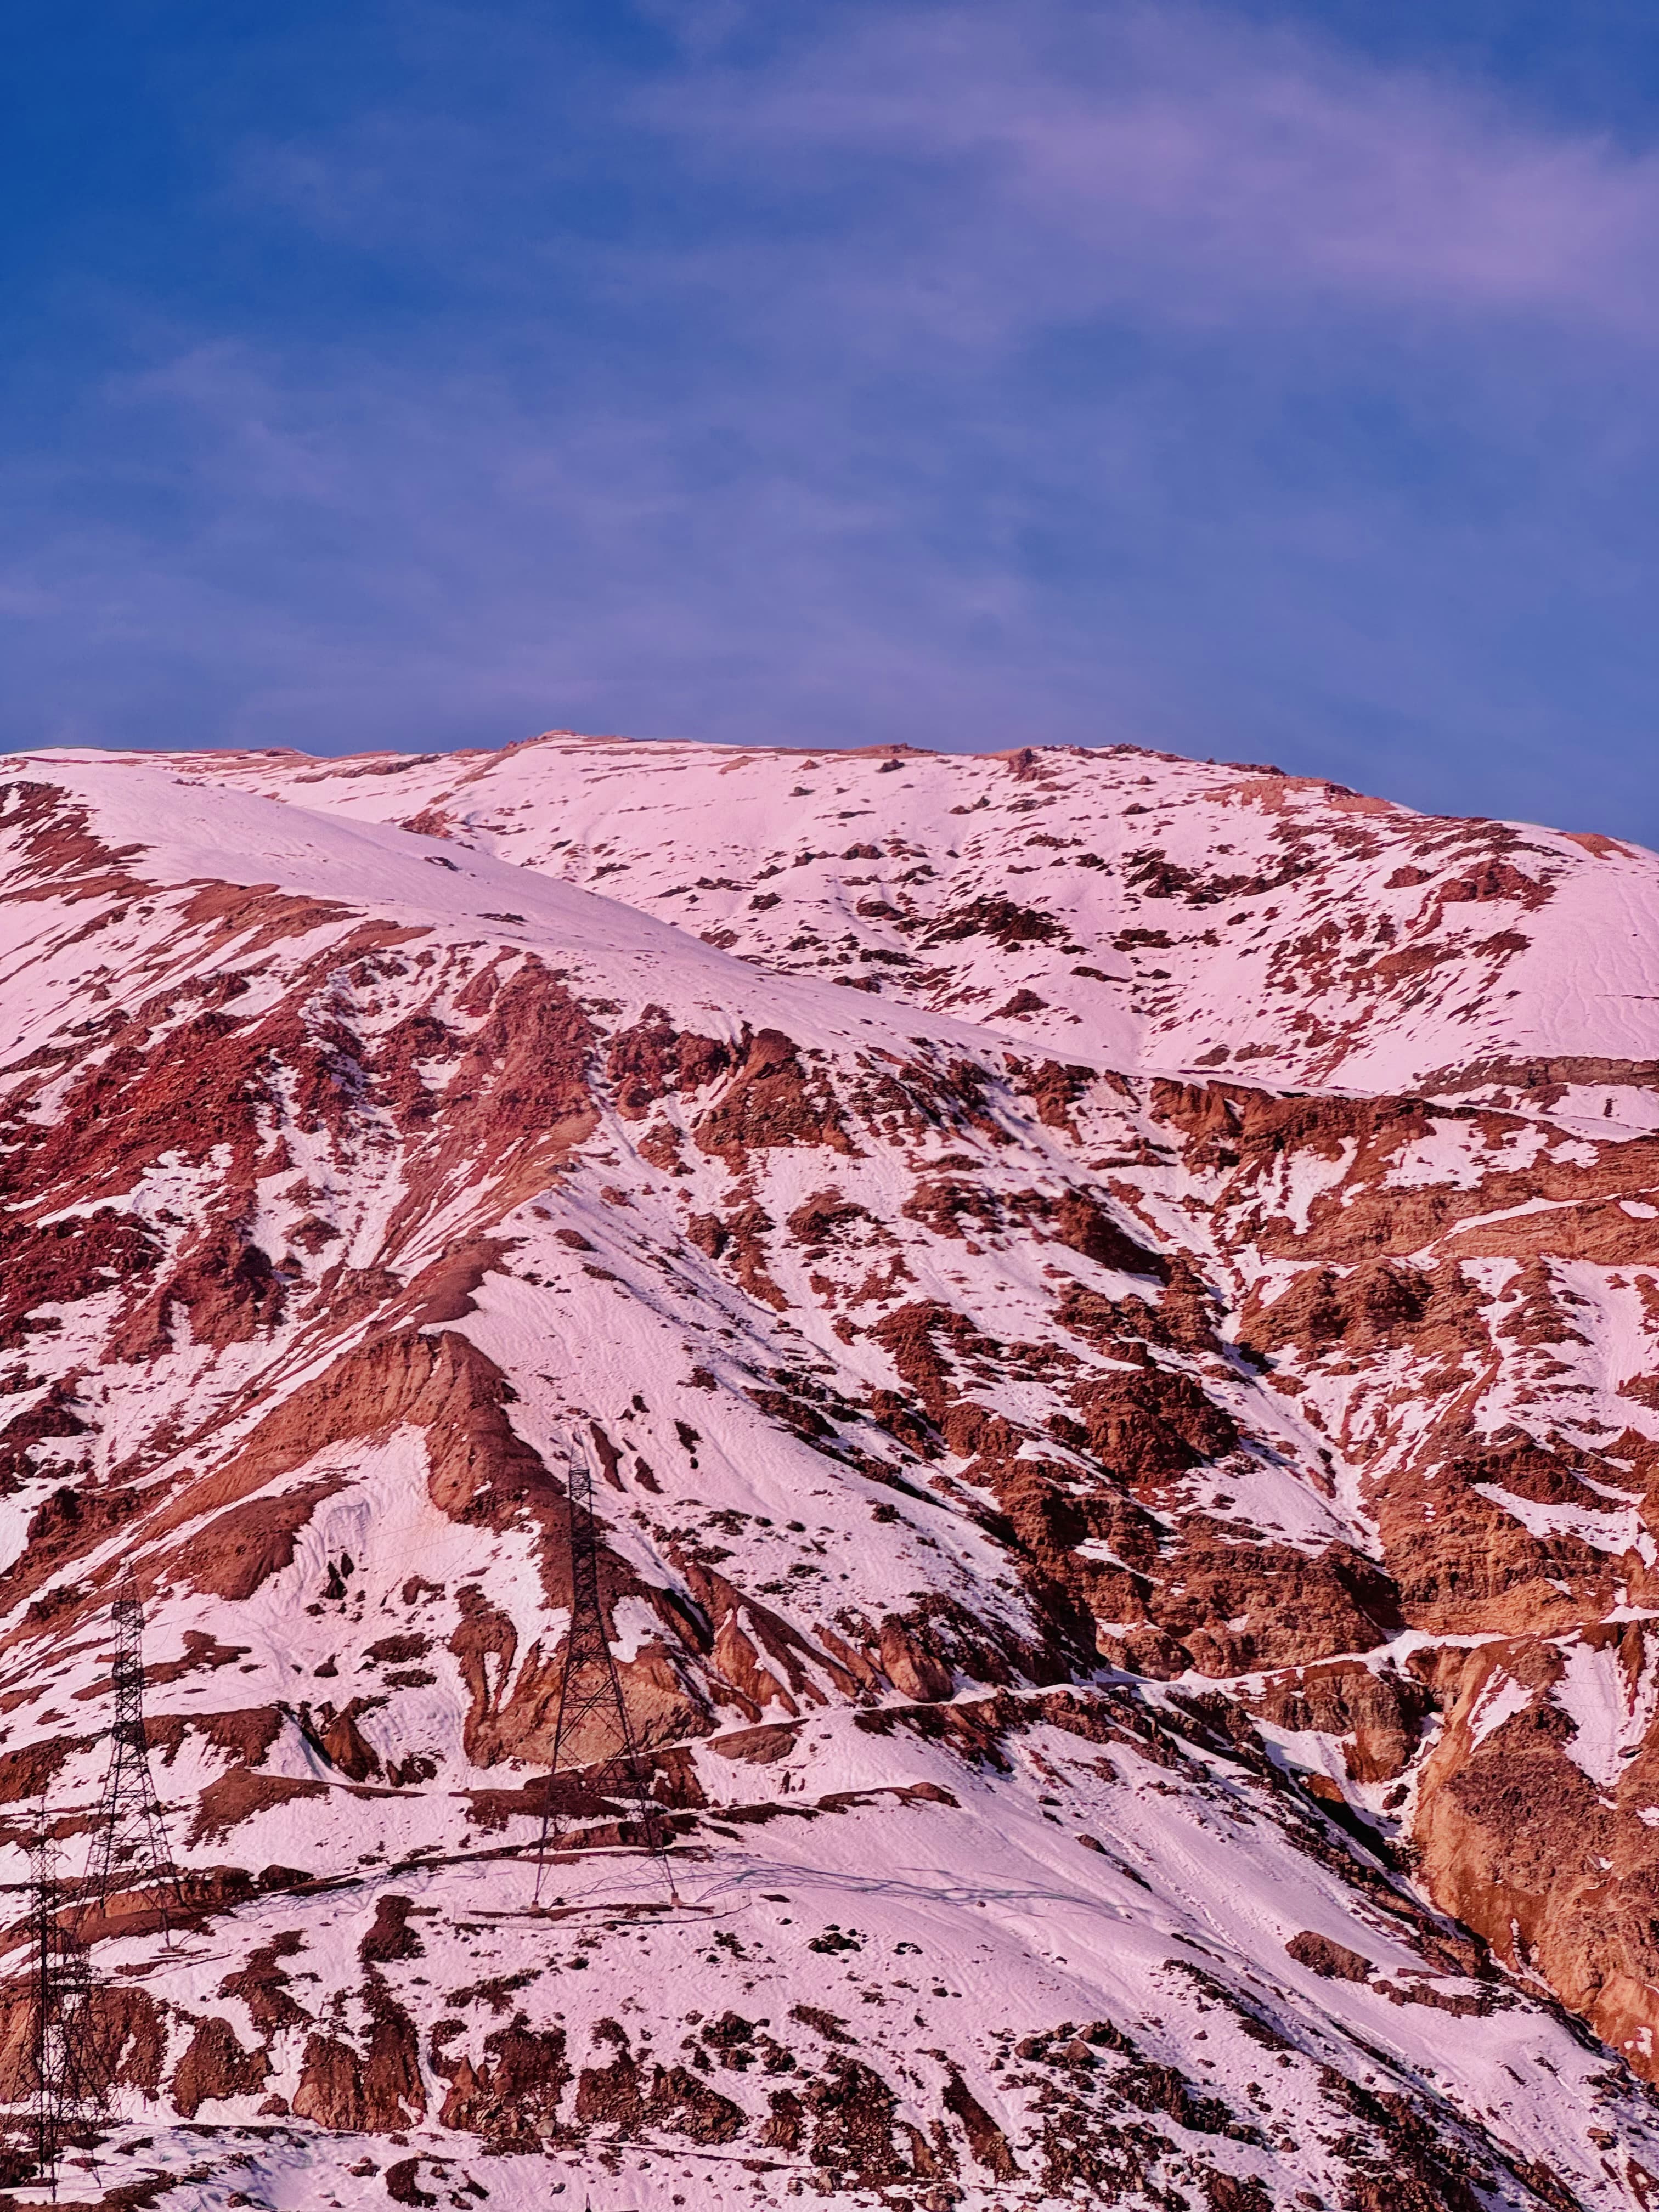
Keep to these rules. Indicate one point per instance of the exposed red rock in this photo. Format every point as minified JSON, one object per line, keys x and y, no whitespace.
{"x":216,"y":2065}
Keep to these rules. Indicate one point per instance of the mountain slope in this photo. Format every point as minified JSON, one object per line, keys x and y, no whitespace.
{"x":1105,"y":1556}
{"x":1168,"y":914}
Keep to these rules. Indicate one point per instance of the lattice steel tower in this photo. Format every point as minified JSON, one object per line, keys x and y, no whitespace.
{"x":592,"y":1705}
{"x":68,"y":2097}
{"x":130,"y":1843}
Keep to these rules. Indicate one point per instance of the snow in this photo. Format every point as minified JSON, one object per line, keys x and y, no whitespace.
{"x":1611,"y":1710}
{"x":664,"y":820}
{"x":1500,"y":1701}
{"x":981,"y":1915}
{"x":1617,"y":1533}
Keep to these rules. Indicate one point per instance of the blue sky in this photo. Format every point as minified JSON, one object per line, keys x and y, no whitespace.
{"x":1271,"y":382}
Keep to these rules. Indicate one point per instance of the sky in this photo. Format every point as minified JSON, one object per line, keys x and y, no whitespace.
{"x":1266,"y":382}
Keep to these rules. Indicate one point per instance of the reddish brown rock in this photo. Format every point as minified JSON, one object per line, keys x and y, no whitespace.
{"x":377,"y":2089}
{"x":1323,"y":1955}
{"x":653,"y":1060}
{"x":243,"y":1548}
{"x":1083,"y":1224}
{"x":685,"y":2105}
{"x":1557,"y":1876}
{"x":346,"y":1747}
{"x":611,"y":2094}
{"x":771,"y":1100}
{"x":512,"y":2099}
{"x":854,"y":2114}
{"x":263,"y":1986}
{"x":985,"y":2140}
{"x":238,"y":1795}
{"x":1381,"y":1710}
{"x":912,"y":1669}
{"x":215,"y":2066}
{"x":391,"y":1938}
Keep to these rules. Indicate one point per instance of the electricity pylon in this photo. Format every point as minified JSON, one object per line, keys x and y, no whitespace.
{"x":592,"y":1706}
{"x":129,"y":1849}
{"x":69,"y":2089}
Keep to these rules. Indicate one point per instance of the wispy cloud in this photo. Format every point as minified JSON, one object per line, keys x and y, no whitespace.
{"x":1201,"y":165}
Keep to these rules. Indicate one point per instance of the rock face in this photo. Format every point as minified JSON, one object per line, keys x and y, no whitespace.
{"x":1127,"y":1445}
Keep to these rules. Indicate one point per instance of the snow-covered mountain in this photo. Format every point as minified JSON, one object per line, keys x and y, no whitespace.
{"x":1114,"y":1303}
{"x":1168,"y":914}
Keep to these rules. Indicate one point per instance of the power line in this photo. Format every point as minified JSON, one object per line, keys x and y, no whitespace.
{"x":592,"y":1712}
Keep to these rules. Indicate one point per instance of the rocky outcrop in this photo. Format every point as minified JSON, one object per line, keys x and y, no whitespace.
{"x":373,"y":2085}
{"x":513,"y":2098}
{"x":772,"y":1099}
{"x":214,"y":2065}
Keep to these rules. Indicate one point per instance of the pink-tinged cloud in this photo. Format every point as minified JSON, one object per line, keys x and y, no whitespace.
{"x":1179,"y":154}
